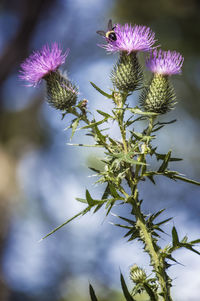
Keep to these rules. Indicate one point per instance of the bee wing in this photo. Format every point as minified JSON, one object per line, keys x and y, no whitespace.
{"x":101,"y":32}
{"x":110,"y":25}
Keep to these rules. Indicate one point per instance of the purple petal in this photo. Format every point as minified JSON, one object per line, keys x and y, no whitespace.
{"x":165,"y":62}
{"x":42,"y":62}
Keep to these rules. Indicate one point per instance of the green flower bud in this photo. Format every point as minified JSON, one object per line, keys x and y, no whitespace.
{"x":61,"y":93}
{"x":127,"y":75}
{"x":159,"y":97}
{"x":137,"y":274}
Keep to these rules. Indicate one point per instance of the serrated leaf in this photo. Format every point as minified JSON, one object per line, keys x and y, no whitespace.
{"x":101,"y":91}
{"x":92,"y":293}
{"x":127,"y":295}
{"x":175,"y":239}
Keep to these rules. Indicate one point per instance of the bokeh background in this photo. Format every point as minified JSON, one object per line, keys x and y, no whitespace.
{"x":40,"y":175}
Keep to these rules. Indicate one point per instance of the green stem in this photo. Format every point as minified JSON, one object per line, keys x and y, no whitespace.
{"x":151,"y":247}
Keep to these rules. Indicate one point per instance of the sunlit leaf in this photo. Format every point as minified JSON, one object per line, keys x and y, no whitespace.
{"x":101,"y":91}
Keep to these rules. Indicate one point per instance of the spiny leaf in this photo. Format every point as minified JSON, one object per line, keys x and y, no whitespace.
{"x":93,"y":124}
{"x":101,"y":91}
{"x":92,"y":294}
{"x":119,"y":225}
{"x":136,"y":110}
{"x":175,"y":239}
{"x":85,"y":145}
{"x":83,"y":212}
{"x":89,"y":198}
{"x":186,"y":180}
{"x":104,"y":114}
{"x":165,"y":162}
{"x":165,"y":221}
{"x":197,"y":241}
{"x":106,"y":192}
{"x":167,"y":122}
{"x":153,"y":216}
{"x":125,"y":219}
{"x":113,"y":191}
{"x":150,"y":177}
{"x":127,"y":295}
{"x":158,"y":128}
{"x":162,"y":157}
{"x":74,"y":126}
{"x":82,"y":200}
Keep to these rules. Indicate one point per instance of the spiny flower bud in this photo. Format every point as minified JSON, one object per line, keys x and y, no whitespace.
{"x":159,"y":97}
{"x":137,"y":275}
{"x":44,"y":64}
{"x":61,"y":93}
{"x":127,"y":74}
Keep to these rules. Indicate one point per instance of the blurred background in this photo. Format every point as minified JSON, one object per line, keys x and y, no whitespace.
{"x":40,"y":175}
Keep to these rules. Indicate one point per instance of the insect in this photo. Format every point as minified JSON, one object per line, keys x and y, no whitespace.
{"x":110,"y":33}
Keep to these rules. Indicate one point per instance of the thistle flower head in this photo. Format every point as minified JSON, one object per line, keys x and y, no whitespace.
{"x":165,"y":62}
{"x":131,"y":39}
{"x":41,"y":63}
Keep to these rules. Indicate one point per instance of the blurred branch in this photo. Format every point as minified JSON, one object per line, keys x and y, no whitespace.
{"x":14,"y":52}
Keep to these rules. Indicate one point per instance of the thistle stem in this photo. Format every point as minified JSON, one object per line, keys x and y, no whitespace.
{"x":151,"y":247}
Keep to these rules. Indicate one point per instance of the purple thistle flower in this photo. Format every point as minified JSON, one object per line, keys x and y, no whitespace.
{"x":41,"y":63}
{"x":131,"y":39}
{"x":165,"y":62}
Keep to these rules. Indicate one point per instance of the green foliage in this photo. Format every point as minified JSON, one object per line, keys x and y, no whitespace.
{"x":126,"y":163}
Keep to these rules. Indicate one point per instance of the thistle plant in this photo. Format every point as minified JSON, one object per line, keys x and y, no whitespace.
{"x":127,"y":162}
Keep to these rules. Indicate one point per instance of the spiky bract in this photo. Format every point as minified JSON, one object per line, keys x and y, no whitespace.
{"x":61,"y":93}
{"x":159,"y":97}
{"x":127,"y":74}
